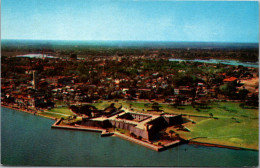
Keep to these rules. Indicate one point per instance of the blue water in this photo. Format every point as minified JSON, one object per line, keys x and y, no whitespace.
{"x":227,"y":62}
{"x":28,"y":140}
{"x":35,"y":56}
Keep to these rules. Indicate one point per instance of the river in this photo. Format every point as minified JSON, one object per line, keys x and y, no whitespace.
{"x":227,"y":62}
{"x":28,"y":140}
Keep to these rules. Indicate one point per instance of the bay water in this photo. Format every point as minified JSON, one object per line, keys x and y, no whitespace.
{"x":28,"y":140}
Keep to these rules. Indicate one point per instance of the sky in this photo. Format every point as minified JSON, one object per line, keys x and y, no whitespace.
{"x":137,"y":20}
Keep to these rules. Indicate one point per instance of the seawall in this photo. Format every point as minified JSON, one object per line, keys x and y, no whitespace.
{"x":219,"y":146}
{"x":82,"y":128}
{"x":153,"y":147}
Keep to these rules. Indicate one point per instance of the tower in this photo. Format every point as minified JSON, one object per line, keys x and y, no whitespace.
{"x":34,"y":82}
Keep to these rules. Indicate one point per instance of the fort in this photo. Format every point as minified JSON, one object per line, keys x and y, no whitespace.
{"x":139,"y":125}
{"x":143,"y":128}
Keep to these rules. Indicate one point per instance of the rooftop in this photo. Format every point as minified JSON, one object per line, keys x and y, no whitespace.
{"x":231,"y":79}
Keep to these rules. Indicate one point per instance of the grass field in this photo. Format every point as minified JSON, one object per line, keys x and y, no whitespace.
{"x":57,"y":112}
{"x":62,"y":110}
{"x":235,"y":126}
{"x":242,"y":132}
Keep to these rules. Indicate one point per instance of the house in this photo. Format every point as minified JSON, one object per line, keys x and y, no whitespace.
{"x":230,"y":80}
{"x":51,"y":80}
{"x":185,"y":90}
{"x":176,"y":91}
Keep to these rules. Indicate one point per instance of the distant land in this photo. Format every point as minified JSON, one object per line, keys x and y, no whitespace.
{"x":131,"y":44}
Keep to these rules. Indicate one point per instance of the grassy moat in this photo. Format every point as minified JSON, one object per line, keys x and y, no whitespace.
{"x":222,"y":123}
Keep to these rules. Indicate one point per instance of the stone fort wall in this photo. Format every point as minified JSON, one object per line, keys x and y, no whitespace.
{"x":157,"y":125}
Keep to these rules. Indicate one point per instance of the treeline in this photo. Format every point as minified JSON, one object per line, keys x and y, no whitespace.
{"x":242,"y":54}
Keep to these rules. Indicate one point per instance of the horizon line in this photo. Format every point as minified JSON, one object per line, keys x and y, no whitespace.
{"x":137,"y":41}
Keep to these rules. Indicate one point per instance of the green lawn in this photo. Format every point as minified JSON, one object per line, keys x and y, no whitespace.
{"x":52,"y":115}
{"x":60,"y":103}
{"x":57,"y":112}
{"x":105,"y":103}
{"x":61,"y":110}
{"x":218,"y":109}
{"x":242,"y":132}
{"x":102,"y":106}
{"x":235,"y":126}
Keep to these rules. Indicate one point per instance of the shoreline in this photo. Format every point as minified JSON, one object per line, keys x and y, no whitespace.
{"x":23,"y":110}
{"x":129,"y":138}
{"x":220,"y":146}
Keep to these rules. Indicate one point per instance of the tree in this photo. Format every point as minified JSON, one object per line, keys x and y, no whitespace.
{"x":130,"y":105}
{"x":74,"y":116}
{"x":253,"y":100}
{"x":87,"y":109}
{"x":133,"y":135}
{"x":156,"y":106}
{"x":242,"y":105}
{"x":73,"y":56}
{"x":74,"y":108}
{"x":112,"y":105}
{"x":70,"y":117}
{"x":83,"y":78}
{"x":243,"y":94}
{"x":229,"y":90}
{"x":204,"y":102}
{"x":171,"y":132}
{"x":177,"y":136}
